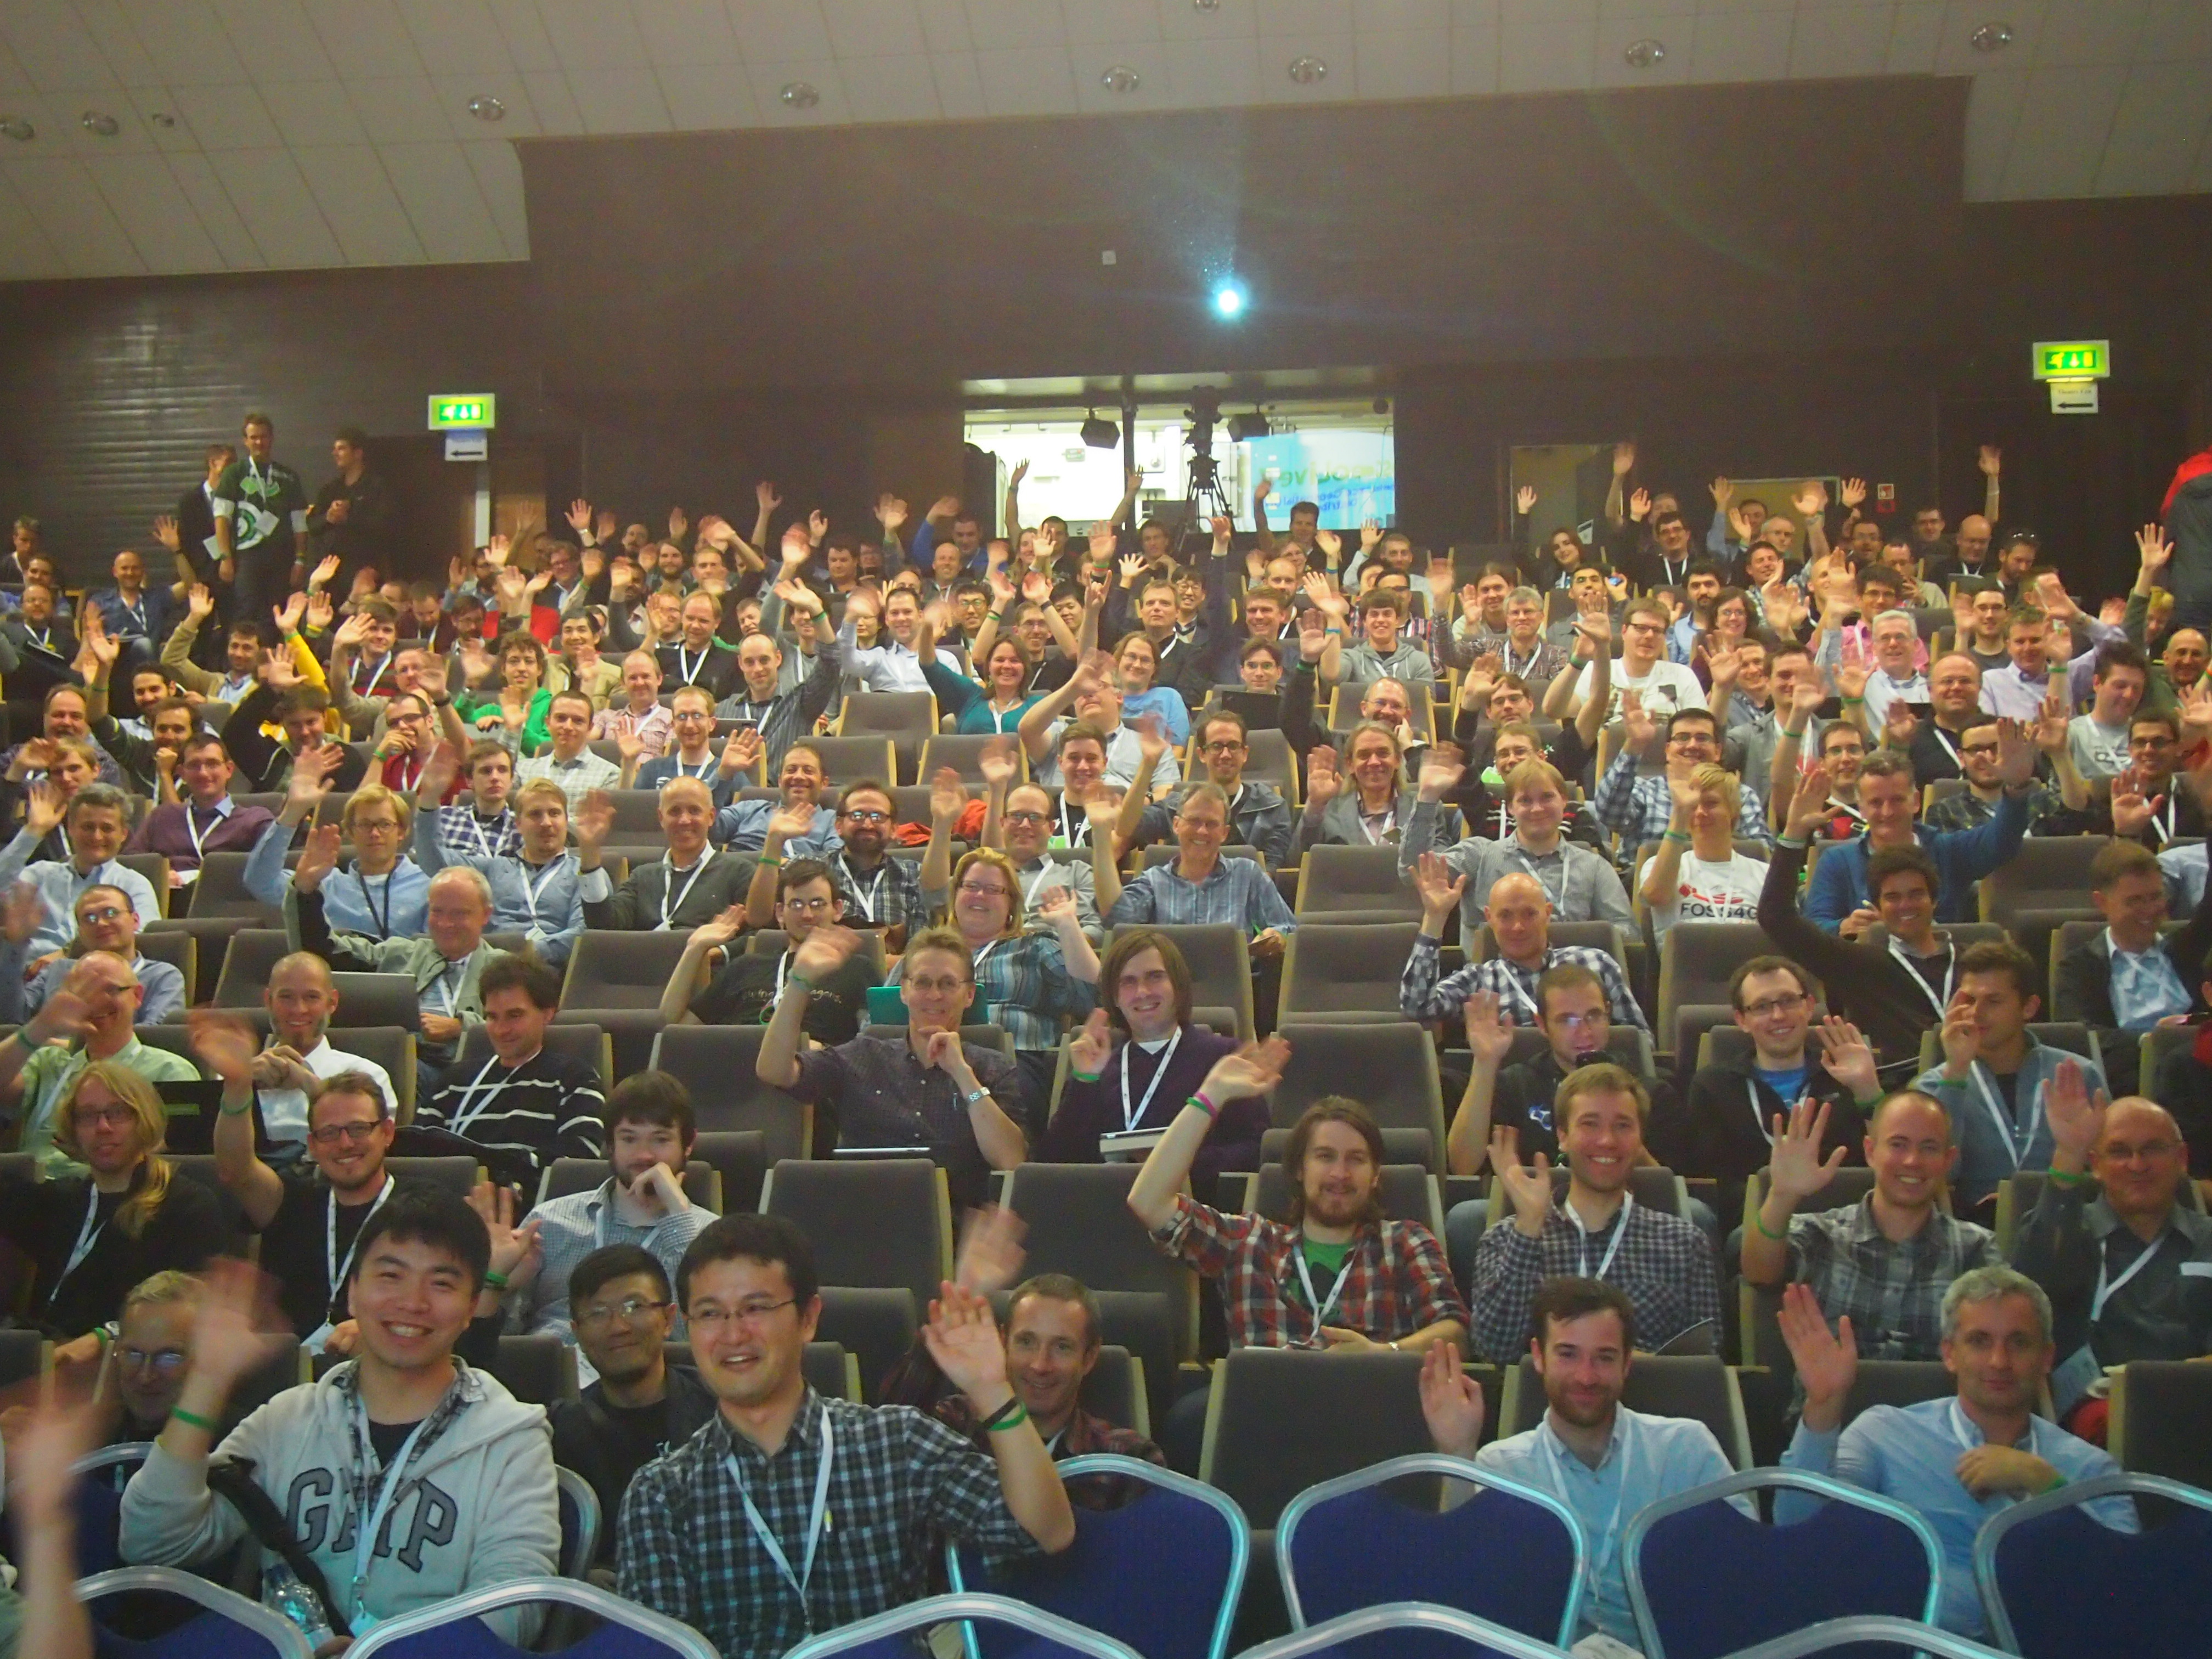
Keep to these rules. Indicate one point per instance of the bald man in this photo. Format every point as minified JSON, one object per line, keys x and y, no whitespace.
{"x":2181,"y":659}
{"x":2127,"y":1265}
{"x":1519,"y":916}
{"x":302,"y":998}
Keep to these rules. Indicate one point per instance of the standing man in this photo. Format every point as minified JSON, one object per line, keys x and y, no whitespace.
{"x":865,"y":1496}
{"x":260,"y":511}
{"x":352,"y":515}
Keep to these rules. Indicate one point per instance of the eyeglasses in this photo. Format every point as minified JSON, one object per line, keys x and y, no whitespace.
{"x":106,"y":913}
{"x":164,"y":1362}
{"x":1026,"y":816}
{"x":629,"y":1310}
{"x":808,"y":907}
{"x":1227,"y":746}
{"x":2122,"y":1152}
{"x":867,"y":817}
{"x":352,"y":1134}
{"x":1788,"y":1003}
{"x":936,"y":986}
{"x":112,"y":1116}
{"x":1594,"y":1018}
{"x":744,"y":1315}
{"x":983,"y":889}
{"x":376,"y":826}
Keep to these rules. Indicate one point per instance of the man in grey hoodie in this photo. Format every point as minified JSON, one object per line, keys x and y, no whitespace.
{"x":405,"y":1475}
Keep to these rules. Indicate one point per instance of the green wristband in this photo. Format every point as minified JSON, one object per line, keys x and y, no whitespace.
{"x":1759,"y":1220}
{"x":1012,"y":1415}
{"x":1085,"y":1077}
{"x":496,"y":1280}
{"x":193,"y":1419}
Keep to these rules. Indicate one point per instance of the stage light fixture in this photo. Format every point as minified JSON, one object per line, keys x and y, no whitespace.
{"x":1242,"y":429}
{"x":1099,"y":434}
{"x":1229,"y":299}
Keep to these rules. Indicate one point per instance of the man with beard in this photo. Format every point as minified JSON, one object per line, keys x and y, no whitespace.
{"x":310,"y":1217}
{"x":1603,"y":1460}
{"x":650,"y":1132}
{"x":640,"y":1407}
{"x":1663,"y":1263}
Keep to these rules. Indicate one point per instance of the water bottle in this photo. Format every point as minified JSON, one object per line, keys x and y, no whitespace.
{"x":282,"y":1590}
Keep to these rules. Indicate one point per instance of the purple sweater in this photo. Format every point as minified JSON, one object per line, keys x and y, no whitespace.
{"x":165,"y":831}
{"x":1088,"y":1110}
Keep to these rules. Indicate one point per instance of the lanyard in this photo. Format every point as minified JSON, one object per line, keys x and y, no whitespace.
{"x":1066,"y":833}
{"x":1512,"y":978}
{"x":2105,"y":1291}
{"x":782,"y":973}
{"x":408,"y":779}
{"x":706,"y":765}
{"x":1950,"y":976}
{"x":443,"y":985}
{"x":1535,"y":651}
{"x":685,"y":672}
{"x":1605,"y":1544}
{"x":131,"y":613}
{"x":463,"y":1115}
{"x":46,"y":643}
{"x":1319,"y":1305}
{"x":1130,"y":1119}
{"x":867,"y":900}
{"x":533,"y":891}
{"x":199,"y":836}
{"x":383,"y":923}
{"x":1758,"y":1122}
{"x":2008,"y":1132}
{"x":672,"y":901}
{"x":817,"y":1524}
{"x":1376,"y":836}
{"x":1620,"y":1232}
{"x":2173,"y":807}
{"x":757,"y":712}
{"x":1559,"y":899}
{"x":88,"y":1236}
{"x":338,"y":1270}
{"x":364,"y":1544}
{"x":1949,"y":748}
{"x":1000,"y":716}
{"x":485,"y":845}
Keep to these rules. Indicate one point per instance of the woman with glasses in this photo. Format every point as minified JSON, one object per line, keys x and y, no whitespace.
{"x":1026,"y":980}
{"x":383,"y":892}
{"x":105,"y":921}
{"x":1137,"y":663}
{"x":92,"y":1237}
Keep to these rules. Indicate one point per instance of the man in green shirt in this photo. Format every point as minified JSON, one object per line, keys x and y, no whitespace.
{"x":260,"y":508}
{"x":89,"y":1019}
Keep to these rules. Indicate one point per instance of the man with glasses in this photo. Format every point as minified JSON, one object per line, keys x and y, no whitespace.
{"x":2183,"y":656}
{"x":206,"y":821}
{"x":1640,"y":808}
{"x":1662,"y":686}
{"x":97,"y":816}
{"x":1046,"y":841}
{"x":650,"y":1132}
{"x":2152,"y":802}
{"x":743,"y":990}
{"x":310,"y":1215}
{"x":2125,"y":1261}
{"x":1258,"y":816}
{"x":105,"y":921}
{"x":878,"y":891}
{"x":148,"y":1360}
{"x":638,"y":1407}
{"x":1198,"y":885}
{"x":91,"y":1018}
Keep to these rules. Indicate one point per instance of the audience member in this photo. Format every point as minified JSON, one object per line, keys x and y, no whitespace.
{"x":96,"y":821}
{"x":692,"y":723}
{"x":243,"y":642}
{"x":1835,"y":898}
{"x":1198,"y":885}
{"x":1955,"y":1461}
{"x":1025,"y":823}
{"x":105,"y":921}
{"x":1258,"y":816}
{"x":534,"y":890}
{"x":745,"y":988}
{"x":2134,"y":977}
{"x":260,"y":508}
{"x":1519,"y":917}
{"x":690,"y":882}
{"x":90,"y":1020}
{"x":925,"y":1089}
{"x":432,"y":1459}
{"x":206,"y":821}
{"x":527,"y":1103}
{"x":1577,"y":883}
{"x":384,"y":895}
{"x":565,"y":761}
{"x":483,"y":825}
{"x":1640,"y":808}
{"x":143,"y":1370}
{"x":1698,"y":874}
{"x":897,"y":1481}
{"x":797,"y":825}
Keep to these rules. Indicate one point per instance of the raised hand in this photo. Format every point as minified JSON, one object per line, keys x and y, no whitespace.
{"x":165,"y":531}
{"x":1442,"y":768}
{"x":22,"y":912}
{"x":1254,"y":1069}
{"x":316,"y":859}
{"x":1331,"y":544}
{"x":963,"y":1338}
{"x":1638,"y":729}
{"x":1852,"y":670}
{"x":1091,"y":1046}
{"x":1809,"y":807}
{"x":233,"y":1332}
{"x":1451,"y":1402}
{"x":1991,"y":460}
{"x":320,"y":611}
{"x":1962,"y":1045}
{"x":990,"y":1255}
{"x":2076,"y":1116}
{"x":1152,"y":738}
{"x":1810,"y":498}
{"x":791,"y":823}
{"x":1323,"y":781}
{"x":2132,"y":809}
{"x":1723,"y":664}
{"x":2153,"y":548}
{"x":1854,"y":492}
{"x":1900,"y":724}
{"x":2016,"y":751}
{"x":439,"y":771}
{"x":199,"y":603}
{"x":1623,"y":459}
{"x":224,"y":1044}
{"x":1527,"y":1186}
{"x":579,"y":517}
{"x":741,"y":752}
{"x":43,"y":807}
{"x":287,"y":616}
{"x":948,"y":796}
{"x":722,"y":929}
{"x":890,"y":512}
{"x":1441,"y":891}
{"x":1489,"y":1029}
{"x":594,"y":818}
{"x":1796,"y":1168}
{"x":1639,"y":505}
{"x":998,"y":763}
{"x":1724,"y":492}
{"x":325,"y":570}
{"x":1848,"y":1057}
{"x":516,"y":1251}
{"x":824,"y":950}
{"x":1827,"y":1361}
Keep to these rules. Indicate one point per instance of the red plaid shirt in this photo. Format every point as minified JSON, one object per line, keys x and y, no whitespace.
{"x":1396,"y":1280}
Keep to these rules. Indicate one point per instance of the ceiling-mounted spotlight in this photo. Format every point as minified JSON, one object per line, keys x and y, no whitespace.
{"x":100,"y":122}
{"x":1645,"y":54}
{"x":1098,"y":433}
{"x":1242,"y":429}
{"x":1119,"y":77}
{"x":487,"y":108}
{"x":163,"y":119}
{"x":1229,"y":299}
{"x":15,"y":127}
{"x":799,"y":94}
{"x":1205,"y":5}
{"x":1307,"y":70}
{"x":1991,"y":37}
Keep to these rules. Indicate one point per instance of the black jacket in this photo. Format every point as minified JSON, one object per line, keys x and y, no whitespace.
{"x":1721,"y":1138}
{"x":365,"y":538}
{"x":44,"y":1219}
{"x":586,"y":1440}
{"x":2083,"y":987}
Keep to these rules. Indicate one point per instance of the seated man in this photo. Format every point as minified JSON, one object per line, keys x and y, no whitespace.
{"x":1955,"y":697}
{"x":568,"y":761}
{"x":148,"y":747}
{"x":746,"y":826}
{"x":2130,"y":979}
{"x":1837,"y":899}
{"x":1578,"y":884}
{"x":1096,"y":698}
{"x":699,"y":659}
{"x":638,"y":1407}
{"x":93,"y":1020}
{"x":1383,"y":652}
{"x":1996,"y":1072}
{"x":1697,"y":874}
{"x":901,"y":1484}
{"x":2124,"y":1262}
{"x":148,"y":1362}
{"x":1025,"y":823}
{"x":302,"y":998}
{"x":526,"y":1102}
{"x":648,"y":1130}
{"x":313,"y":1212}
{"x":105,"y":921}
{"x":638,"y":717}
{"x":483,"y":825}
{"x":1884,"y":1261}
{"x":1638,"y":808}
{"x":744,"y":990}
{"x":693,"y":882}
{"x":464,"y":1471}
{"x":1519,"y":914}
{"x":1957,"y":1460}
{"x":1604,"y":1461}
{"x":1198,"y":885}
{"x":925,"y":1089}
{"x":757,"y":695}
{"x":1335,"y":1275}
{"x":206,"y":821}
{"x":98,"y":817}
{"x":1258,"y":815}
{"x":692,"y":721}
{"x":534,"y":889}
{"x":1663,"y":1263}
{"x":1725,"y":1133}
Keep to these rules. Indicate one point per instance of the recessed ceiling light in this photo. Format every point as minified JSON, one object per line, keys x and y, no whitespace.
{"x":800,"y":94}
{"x":1119,"y":77}
{"x":1205,"y":5}
{"x":99,"y":121}
{"x":163,"y":119}
{"x":1644,"y":53}
{"x":487,"y":108}
{"x":18,"y":129}
{"x":1307,"y":70}
{"x":1991,"y":37}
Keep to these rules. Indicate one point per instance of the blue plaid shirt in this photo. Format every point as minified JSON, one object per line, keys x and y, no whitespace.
{"x":1238,"y":892}
{"x":1639,"y":809}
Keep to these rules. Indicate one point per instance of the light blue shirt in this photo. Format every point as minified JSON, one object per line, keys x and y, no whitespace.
{"x":354,"y":903}
{"x":1911,"y":1454}
{"x":1649,"y":1458}
{"x":2184,"y":868}
{"x":60,"y":886}
{"x":2145,"y":987}
{"x":540,"y":900}
{"x":1993,"y":1145}
{"x":742,"y":827}
{"x":1166,"y":702}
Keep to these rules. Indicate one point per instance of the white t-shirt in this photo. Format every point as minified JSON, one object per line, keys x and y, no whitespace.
{"x":1726,"y":891}
{"x":2099,"y":751}
{"x":1668,"y":687}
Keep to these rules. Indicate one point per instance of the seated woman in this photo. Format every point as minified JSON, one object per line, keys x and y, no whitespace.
{"x":515,"y":714}
{"x":92,"y":1238}
{"x":105,"y":921}
{"x":1142,"y":1082}
{"x":1024,"y":980}
{"x":1136,"y":662}
{"x":384,"y":893}
{"x":999,"y":703}
{"x":1369,"y":807}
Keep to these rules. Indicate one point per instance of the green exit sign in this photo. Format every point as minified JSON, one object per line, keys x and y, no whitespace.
{"x":2073,"y":360}
{"x":474,"y":411}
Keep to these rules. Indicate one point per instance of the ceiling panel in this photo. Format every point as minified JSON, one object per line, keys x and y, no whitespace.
{"x":704,"y":97}
{"x":367,"y":40}
{"x":529,"y":47}
{"x":1225,"y":70}
{"x":25,"y":253}
{"x":275,"y":40}
{"x":1336,"y":51}
{"x":1097,"y":23}
{"x":1026,"y":80}
{"x":2083,"y":32}
{"x":54,"y":47}
{"x":687,"y":32}
{"x":1540,"y":51}
{"x":594,"y":34}
{"x":228,"y":116}
{"x":439,"y":191}
{"x":125,"y":54}
{"x":619,"y":100}
{"x":2065,"y":118}
{"x":456,"y":37}
{"x":360,"y":206}
{"x":783,"y":31}
{"x":76,"y":219}
{"x":1741,"y":45}
{"x":1475,"y":47}
{"x":890,"y":89}
{"x":1832,"y":41}
{"x":2157,"y":132}
{"x":155,"y":214}
{"x":1404,"y":62}
{"x":266,"y":187}
{"x":185,"y":43}
{"x":1155,"y":88}
{"x":310,"y":114}
{"x":196,"y":177}
{"x":400,"y":109}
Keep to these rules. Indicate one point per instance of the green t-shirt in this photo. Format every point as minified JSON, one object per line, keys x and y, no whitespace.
{"x":265,"y":504}
{"x":47,"y":1075}
{"x":1324,"y":1263}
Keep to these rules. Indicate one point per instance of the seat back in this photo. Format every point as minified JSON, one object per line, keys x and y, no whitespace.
{"x":961,"y":750}
{"x":1220,"y":967}
{"x":875,"y":1327}
{"x":1281,"y":1419}
{"x":719,"y":1064}
{"x":2161,"y":1410}
{"x":581,"y":1522}
{"x":1508,"y":1553}
{"x":1114,"y":1390}
{"x":615,"y":968}
{"x":377,"y":999}
{"x":1187,"y":1544}
{"x":891,"y":1635}
{"x":221,"y":891}
{"x":1409,"y":1193}
{"x":848,"y":759}
{"x":2057,"y":1583}
{"x":1855,"y":1554}
{"x":1696,"y":960}
{"x":1361,"y":880}
{"x":1660,"y":1385}
{"x":176,"y":947}
{"x":1391,"y":1070}
{"x":101,"y":1476}
{"x":1338,"y":972}
{"x":1268,"y":758}
{"x":227,"y":1626}
{"x":1078,"y":1221}
{"x":538,"y":1370}
{"x":2047,"y":874}
{"x":251,"y":955}
{"x":453,"y":1628}
{"x":881,"y":1223}
{"x":456,"y":1174}
{"x":565,"y":1176}
{"x":739,"y":1159}
{"x":391,"y":1047}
